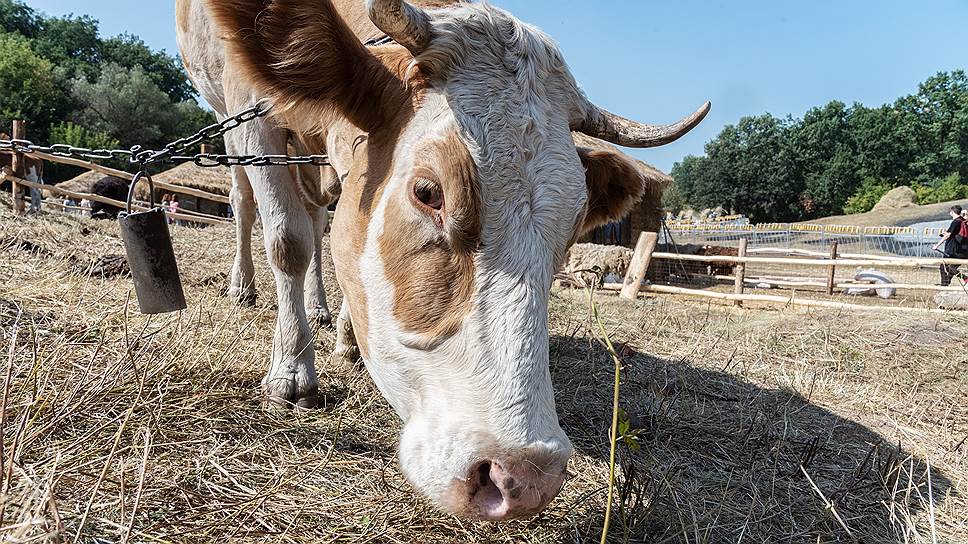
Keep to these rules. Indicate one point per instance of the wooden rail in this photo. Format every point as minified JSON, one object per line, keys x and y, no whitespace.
{"x":108,"y":201}
{"x":893,"y":262}
{"x":824,"y":254}
{"x":784,"y":300}
{"x":198,"y":193}
{"x":807,"y":282}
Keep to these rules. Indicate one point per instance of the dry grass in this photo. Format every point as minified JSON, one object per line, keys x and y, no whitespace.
{"x":746,"y":426}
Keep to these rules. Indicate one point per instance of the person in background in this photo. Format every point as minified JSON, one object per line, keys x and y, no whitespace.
{"x":166,"y":205}
{"x":85,"y":207}
{"x":173,"y":207}
{"x":952,"y":242}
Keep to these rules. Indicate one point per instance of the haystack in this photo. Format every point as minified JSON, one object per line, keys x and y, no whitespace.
{"x":217,"y":181}
{"x":952,"y":300}
{"x":609,"y":259}
{"x":899,"y":197}
{"x":83,"y":183}
{"x":211,"y":180}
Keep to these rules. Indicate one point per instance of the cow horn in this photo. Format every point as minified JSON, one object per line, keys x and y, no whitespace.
{"x":409,"y":26}
{"x":618,"y":130}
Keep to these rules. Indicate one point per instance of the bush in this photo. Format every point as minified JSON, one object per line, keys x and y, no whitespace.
{"x":871,"y":191}
{"x":947,"y":189}
{"x":77,"y":136}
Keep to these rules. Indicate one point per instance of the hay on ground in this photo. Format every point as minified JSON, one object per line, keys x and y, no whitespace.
{"x":748,"y":425}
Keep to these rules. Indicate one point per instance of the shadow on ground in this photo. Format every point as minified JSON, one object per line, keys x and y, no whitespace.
{"x":713,"y":458}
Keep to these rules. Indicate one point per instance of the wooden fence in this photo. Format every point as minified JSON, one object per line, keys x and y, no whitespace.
{"x":645,"y":255}
{"x":18,"y":183}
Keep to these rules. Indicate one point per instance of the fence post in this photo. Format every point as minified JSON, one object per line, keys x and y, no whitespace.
{"x":832,"y":269}
{"x":17,"y":165}
{"x":740,"y":273}
{"x":640,"y":264}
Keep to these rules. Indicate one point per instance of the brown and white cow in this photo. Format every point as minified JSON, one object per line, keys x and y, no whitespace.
{"x":453,"y":218}
{"x":33,"y":170}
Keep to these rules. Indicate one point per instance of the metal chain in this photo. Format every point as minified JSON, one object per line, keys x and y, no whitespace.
{"x":167,"y":155}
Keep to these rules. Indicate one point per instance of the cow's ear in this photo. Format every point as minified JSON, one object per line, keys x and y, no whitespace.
{"x":301,"y":55}
{"x":614,"y":185}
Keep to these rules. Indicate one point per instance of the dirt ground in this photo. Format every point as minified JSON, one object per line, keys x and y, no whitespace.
{"x":756,"y":425}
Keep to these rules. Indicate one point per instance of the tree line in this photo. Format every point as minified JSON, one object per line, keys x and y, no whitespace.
{"x":836,"y":159}
{"x":75,"y":87}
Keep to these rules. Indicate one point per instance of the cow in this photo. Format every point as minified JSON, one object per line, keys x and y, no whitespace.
{"x":461,"y":189}
{"x":33,"y":171}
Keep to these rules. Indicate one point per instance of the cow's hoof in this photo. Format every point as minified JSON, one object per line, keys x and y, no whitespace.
{"x":346,"y":358}
{"x":319,"y":317}
{"x":244,"y":297}
{"x":286,"y":393}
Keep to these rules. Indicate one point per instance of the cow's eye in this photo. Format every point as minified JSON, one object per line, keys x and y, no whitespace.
{"x":428,"y":193}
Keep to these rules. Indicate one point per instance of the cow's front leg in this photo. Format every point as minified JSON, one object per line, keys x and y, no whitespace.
{"x":288,"y":233}
{"x":316,"y":307}
{"x":291,"y":380}
{"x":346,"y":352}
{"x":242,"y":278}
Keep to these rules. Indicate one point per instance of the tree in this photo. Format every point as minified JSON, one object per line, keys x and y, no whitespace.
{"x":27,"y":87}
{"x":163,"y":70}
{"x":825,"y":154}
{"x":72,"y":43}
{"x":938,"y":115}
{"x":77,"y":136}
{"x":58,"y":69}
{"x":128,"y":106}
{"x":749,"y":167}
{"x":19,"y":18}
{"x":836,"y":157}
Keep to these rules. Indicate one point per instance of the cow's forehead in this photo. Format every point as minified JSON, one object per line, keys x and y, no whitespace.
{"x":498,"y":68}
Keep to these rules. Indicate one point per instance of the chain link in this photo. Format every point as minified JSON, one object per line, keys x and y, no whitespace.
{"x":168,"y":154}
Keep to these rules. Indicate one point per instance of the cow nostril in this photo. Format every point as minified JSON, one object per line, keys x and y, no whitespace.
{"x":484,"y":473}
{"x":489,"y":499}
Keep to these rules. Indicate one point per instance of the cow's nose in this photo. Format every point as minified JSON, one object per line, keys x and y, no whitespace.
{"x":513,"y":488}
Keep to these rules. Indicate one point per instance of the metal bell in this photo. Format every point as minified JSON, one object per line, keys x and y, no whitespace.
{"x":151,"y":256}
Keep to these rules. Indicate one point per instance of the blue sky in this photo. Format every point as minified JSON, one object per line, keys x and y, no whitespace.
{"x":655,"y":61}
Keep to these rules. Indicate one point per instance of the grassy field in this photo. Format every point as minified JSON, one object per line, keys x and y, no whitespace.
{"x":755,"y":425}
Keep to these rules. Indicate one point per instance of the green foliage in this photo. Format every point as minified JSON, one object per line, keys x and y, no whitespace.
{"x":164,"y":70}
{"x":78,"y":136}
{"x":16,"y":17}
{"x":125,"y":104}
{"x":672,"y":199}
{"x":945,"y":190}
{"x":748,"y":167}
{"x":59,"y":69}
{"x":27,"y":86}
{"x":867,"y":196}
{"x":799,"y":169}
{"x":128,"y":106}
{"x":72,"y":43}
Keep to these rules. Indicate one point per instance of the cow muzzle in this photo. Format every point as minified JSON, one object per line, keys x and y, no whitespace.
{"x":510,"y":488}
{"x":478,"y":477}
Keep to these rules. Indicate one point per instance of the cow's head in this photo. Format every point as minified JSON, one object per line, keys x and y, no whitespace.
{"x":453,"y":219}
